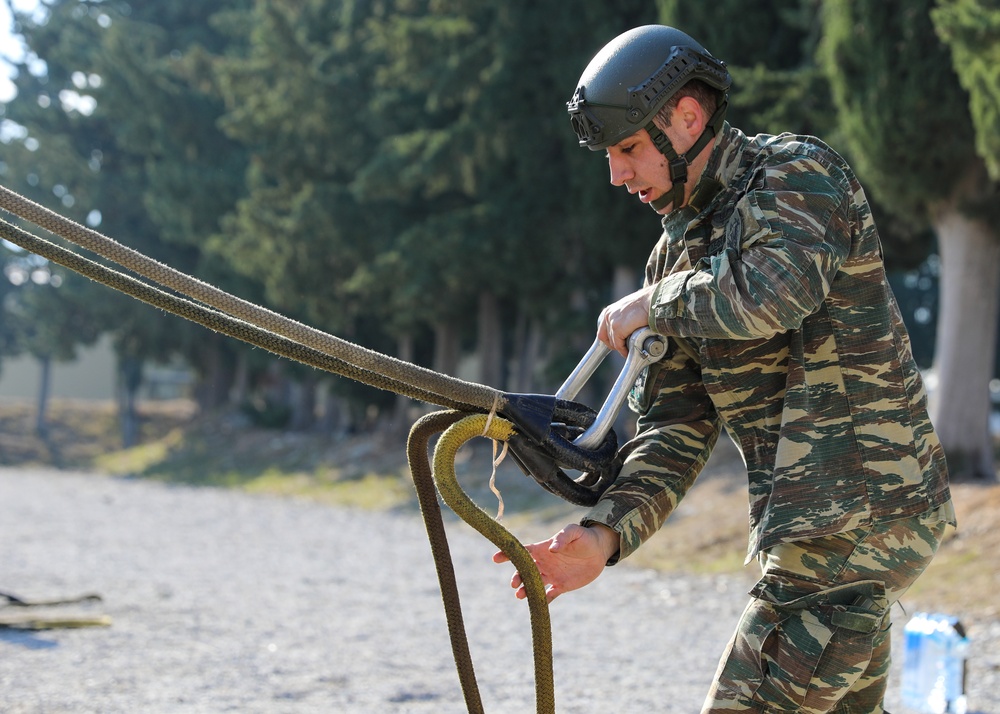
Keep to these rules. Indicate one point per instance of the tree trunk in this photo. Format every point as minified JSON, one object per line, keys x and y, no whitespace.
{"x":335,"y":421}
{"x":44,"y":389}
{"x":303,"y":403}
{"x":490,"y":341}
{"x":401,"y":407}
{"x":966,"y":342}
{"x":128,"y":417}
{"x":528,"y":350}
{"x":216,"y":375}
{"x":446,"y":348}
{"x":41,"y":419}
{"x":240,"y":392}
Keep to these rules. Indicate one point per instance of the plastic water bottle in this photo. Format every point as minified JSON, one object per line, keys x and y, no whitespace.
{"x":934,"y":654}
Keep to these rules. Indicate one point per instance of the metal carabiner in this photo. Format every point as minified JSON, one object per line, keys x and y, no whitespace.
{"x":644,"y":348}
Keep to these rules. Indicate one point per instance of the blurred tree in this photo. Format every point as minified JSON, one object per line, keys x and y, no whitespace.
{"x":779,"y":85}
{"x":298,"y":99}
{"x":417,"y":159}
{"x":46,"y":164}
{"x":122,"y":137}
{"x":906,"y":118}
{"x":10,"y":344}
{"x":485,"y":164}
{"x":47,"y":315}
{"x":770,"y":50}
{"x":971,"y":29}
{"x":157,"y":82}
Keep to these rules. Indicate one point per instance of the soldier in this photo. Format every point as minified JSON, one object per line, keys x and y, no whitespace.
{"x":769,"y":284}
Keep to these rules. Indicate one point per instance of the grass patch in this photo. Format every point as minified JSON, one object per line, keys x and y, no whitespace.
{"x":139,"y":458}
{"x":371,"y":492}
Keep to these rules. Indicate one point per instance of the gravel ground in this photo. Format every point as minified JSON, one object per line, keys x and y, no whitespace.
{"x":226,"y":602}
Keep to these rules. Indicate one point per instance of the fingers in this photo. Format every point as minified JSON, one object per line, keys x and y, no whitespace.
{"x":571,"y":559}
{"x":607,"y":333}
{"x":520,"y":592}
{"x":516,"y":582}
{"x":501,"y":557}
{"x":619,"y":320}
{"x":551,"y":592}
{"x":602,"y":326}
{"x":563,"y":538}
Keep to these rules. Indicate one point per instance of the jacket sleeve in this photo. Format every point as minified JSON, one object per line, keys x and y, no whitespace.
{"x":676,"y":431}
{"x":783,"y":244}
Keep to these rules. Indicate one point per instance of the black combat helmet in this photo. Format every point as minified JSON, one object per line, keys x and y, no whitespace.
{"x":631,"y":78}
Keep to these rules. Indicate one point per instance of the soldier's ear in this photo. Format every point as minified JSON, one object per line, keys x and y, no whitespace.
{"x":689,"y":117}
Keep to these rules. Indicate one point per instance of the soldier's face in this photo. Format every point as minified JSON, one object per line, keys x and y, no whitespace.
{"x":639,"y":166}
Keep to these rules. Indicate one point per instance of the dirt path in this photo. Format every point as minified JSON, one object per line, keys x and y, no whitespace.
{"x":224,"y":602}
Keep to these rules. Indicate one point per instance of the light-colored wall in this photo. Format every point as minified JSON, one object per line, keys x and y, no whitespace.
{"x":91,"y":376}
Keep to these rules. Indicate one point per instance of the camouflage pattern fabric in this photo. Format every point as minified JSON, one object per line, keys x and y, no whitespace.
{"x":815,"y":637}
{"x":782,"y":330}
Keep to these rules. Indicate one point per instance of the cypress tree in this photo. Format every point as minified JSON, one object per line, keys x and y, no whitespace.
{"x":971,"y":28}
{"x":906,"y":117}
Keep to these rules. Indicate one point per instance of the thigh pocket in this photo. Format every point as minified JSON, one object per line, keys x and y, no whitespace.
{"x":803,"y":652}
{"x":746,"y":666}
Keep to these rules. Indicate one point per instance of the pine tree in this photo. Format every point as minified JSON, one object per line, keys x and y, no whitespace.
{"x":488,"y":168}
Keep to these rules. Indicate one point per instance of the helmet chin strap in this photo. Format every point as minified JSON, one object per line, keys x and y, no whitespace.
{"x":678,"y":163}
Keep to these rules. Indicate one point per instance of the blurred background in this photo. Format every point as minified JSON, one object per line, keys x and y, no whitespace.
{"x":402,"y":174}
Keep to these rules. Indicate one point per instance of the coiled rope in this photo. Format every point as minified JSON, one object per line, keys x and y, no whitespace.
{"x":457,"y":429}
{"x":232,"y":316}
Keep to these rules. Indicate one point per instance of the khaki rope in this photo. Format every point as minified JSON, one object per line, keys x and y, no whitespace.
{"x":459,"y":428}
{"x":423,"y":481}
{"x":54,"y":623}
{"x":214,"y":320}
{"x":455,"y":390}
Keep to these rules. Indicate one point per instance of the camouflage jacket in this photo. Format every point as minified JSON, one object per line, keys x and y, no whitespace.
{"x":783,"y":330}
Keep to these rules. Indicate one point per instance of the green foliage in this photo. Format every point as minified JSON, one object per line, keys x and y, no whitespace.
{"x":46,"y":312}
{"x":901,"y":108}
{"x":971,"y":28}
{"x":488,"y":150}
{"x":748,"y":32}
{"x":411,"y":154}
{"x":298,"y":100}
{"x":11,"y":343}
{"x":770,"y":51}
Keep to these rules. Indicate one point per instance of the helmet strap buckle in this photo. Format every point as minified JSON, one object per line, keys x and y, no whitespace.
{"x":661,"y":141}
{"x":678,"y":169}
{"x":677,"y":164}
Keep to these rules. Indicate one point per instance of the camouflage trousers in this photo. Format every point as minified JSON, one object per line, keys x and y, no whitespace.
{"x":815,"y":636}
